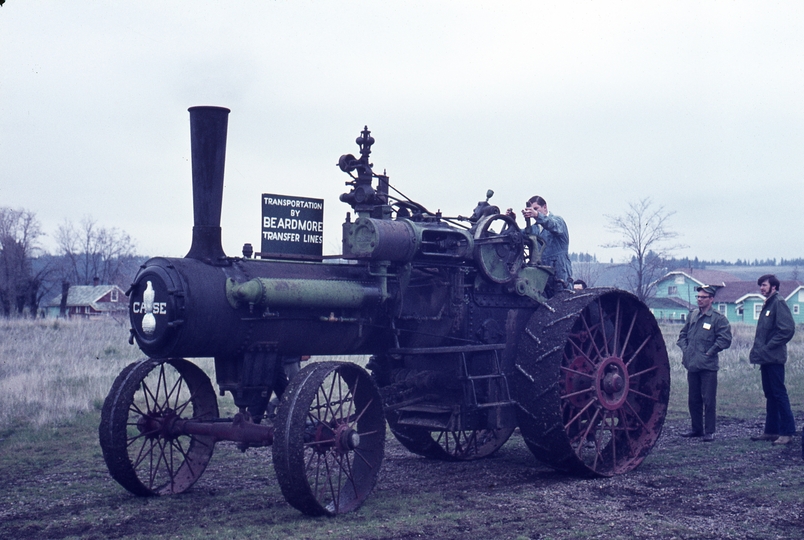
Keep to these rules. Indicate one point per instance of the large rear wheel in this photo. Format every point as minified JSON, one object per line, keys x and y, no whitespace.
{"x":592,"y":382}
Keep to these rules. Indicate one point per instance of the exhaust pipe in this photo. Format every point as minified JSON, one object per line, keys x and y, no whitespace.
{"x":208,"y":127}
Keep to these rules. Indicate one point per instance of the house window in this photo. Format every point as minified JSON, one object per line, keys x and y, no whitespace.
{"x":672,"y":289}
{"x":739,"y":310}
{"x":113,"y":297}
{"x":757,"y":311}
{"x":679,"y":280}
{"x":795,"y":309}
{"x":683,"y":317}
{"x":721,"y":308}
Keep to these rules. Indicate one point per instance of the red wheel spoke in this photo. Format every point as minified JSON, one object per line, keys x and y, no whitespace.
{"x":160,"y":383}
{"x":625,"y":430}
{"x":566,"y":426}
{"x":352,"y":393}
{"x":633,"y":357}
{"x":616,"y":336}
{"x":582,"y":354}
{"x":603,"y":329}
{"x":632,"y":391}
{"x":628,"y":335}
{"x":359,"y":416}
{"x":613,"y":438}
{"x":638,"y":373}
{"x":568,"y":370}
{"x":146,"y":391}
{"x":631,"y":408}
{"x":591,"y":336}
{"x":142,"y":454}
{"x":578,"y":393}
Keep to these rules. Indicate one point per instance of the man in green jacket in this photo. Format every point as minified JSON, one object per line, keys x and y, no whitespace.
{"x":775,"y":328}
{"x":705,"y":334}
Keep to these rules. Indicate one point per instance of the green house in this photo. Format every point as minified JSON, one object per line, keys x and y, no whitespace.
{"x":674,"y":294}
{"x":748,"y":307}
{"x":738,"y":300}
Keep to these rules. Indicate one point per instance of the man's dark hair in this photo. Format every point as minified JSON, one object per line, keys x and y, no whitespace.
{"x":772,"y":280}
{"x":538,"y":200}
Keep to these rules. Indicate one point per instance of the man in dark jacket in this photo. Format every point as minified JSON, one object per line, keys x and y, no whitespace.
{"x":775,"y":328}
{"x":705,"y":334}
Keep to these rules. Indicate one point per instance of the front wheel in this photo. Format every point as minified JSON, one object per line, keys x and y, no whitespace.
{"x":140,"y":450}
{"x":329,"y":439}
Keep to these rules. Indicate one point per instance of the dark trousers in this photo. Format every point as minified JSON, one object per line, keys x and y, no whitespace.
{"x":702,"y":400}
{"x":778,"y":416}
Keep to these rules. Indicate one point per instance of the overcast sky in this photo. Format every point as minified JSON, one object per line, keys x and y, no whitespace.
{"x":698,"y":105}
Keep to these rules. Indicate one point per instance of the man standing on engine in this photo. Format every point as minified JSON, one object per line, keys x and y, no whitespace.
{"x":775,"y":328}
{"x":553,"y":231}
{"x":705,"y":334}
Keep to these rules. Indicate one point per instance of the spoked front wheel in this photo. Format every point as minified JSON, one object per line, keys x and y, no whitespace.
{"x":140,"y":450}
{"x":329,"y":439}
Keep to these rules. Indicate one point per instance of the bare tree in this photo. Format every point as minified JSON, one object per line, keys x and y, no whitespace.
{"x":588,"y":272}
{"x":644,"y":233}
{"x":19,"y":231}
{"x":91,"y":252}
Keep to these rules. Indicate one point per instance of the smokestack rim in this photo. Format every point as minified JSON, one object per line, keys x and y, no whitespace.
{"x":209,"y":107}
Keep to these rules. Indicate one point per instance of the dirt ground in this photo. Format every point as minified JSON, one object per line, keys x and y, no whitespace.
{"x":685,"y":489}
{"x":731,"y":488}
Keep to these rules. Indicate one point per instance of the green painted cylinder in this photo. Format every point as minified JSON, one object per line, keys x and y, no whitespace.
{"x":301,"y":293}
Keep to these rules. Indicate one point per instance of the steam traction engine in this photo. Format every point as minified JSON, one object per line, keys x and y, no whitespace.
{"x":466,"y":343}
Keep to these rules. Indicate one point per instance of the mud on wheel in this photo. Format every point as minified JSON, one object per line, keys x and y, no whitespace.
{"x":139,"y":448}
{"x":329,"y":439}
{"x":592,"y":382}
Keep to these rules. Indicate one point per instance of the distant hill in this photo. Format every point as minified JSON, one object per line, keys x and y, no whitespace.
{"x":615,"y":275}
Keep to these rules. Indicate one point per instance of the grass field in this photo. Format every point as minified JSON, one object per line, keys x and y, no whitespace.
{"x":50,"y":371}
{"x":54,"y":484}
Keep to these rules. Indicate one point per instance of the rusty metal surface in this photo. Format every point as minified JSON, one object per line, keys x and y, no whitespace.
{"x":330,"y":438}
{"x":592,"y":382}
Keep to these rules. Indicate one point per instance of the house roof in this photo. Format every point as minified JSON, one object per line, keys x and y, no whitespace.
{"x":705,"y":277}
{"x":88,"y":295}
{"x":793,"y":291}
{"x":738,"y":291}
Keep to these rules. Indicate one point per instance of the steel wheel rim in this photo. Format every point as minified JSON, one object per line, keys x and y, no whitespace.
{"x":140,"y":450}
{"x":330,"y":439}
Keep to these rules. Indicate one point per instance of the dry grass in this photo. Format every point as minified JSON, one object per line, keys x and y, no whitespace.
{"x":51,"y":370}
{"x":739,"y":387}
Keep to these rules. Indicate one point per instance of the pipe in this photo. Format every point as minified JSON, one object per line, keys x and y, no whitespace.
{"x":307,"y":293}
{"x":208,"y":126}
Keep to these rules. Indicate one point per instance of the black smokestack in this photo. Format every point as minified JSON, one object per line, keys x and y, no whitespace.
{"x":208,"y":127}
